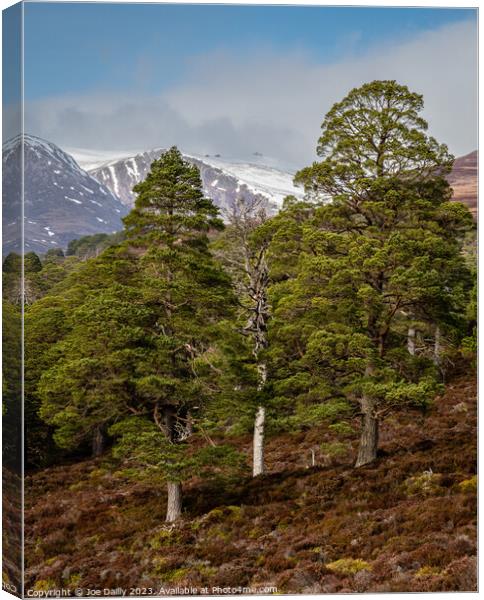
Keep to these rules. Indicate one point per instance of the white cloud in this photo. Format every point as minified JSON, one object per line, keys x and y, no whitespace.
{"x":272,"y":103}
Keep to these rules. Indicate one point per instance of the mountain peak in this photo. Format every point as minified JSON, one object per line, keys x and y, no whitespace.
{"x":61,"y":201}
{"x":223,"y":179}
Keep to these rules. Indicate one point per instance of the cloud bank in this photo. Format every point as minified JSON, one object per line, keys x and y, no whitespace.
{"x":271,"y":103}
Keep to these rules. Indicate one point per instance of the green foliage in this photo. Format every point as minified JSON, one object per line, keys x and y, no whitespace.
{"x":54,"y":254}
{"x":137,"y":334}
{"x":12,"y":263}
{"x":135,"y":351}
{"x":426,"y":484}
{"x":89,"y":384}
{"x":151,"y":455}
{"x":90,"y":246}
{"x":349,"y":566}
{"x":11,"y":383}
{"x":170,"y":205}
{"x":32,"y":263}
{"x":334,"y":449}
{"x":469,"y":485}
{"x":469,"y":342}
{"x":353,"y":274}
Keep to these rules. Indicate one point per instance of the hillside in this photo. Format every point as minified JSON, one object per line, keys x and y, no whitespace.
{"x":463,"y":180}
{"x":404,"y":523}
{"x":62,"y":201}
{"x":223,"y":179}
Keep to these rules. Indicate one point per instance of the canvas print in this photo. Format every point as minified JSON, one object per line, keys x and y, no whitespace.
{"x":239,"y":299}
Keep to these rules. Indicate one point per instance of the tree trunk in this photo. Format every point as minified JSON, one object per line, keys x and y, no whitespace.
{"x":174,"y":499}
{"x":369,"y":434}
{"x":98,"y":442}
{"x":258,"y":468}
{"x":411,"y":341}
{"x":259,"y":425}
{"x":174,"y":503}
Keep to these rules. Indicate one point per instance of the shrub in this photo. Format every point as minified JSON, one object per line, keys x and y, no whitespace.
{"x":426,"y":484}
{"x":164,"y":537}
{"x":175,"y":575}
{"x":468,"y":485}
{"x":44,"y":585}
{"x":348,"y":566}
{"x":427,"y":571}
{"x":334,"y":449}
{"x":222,"y":513}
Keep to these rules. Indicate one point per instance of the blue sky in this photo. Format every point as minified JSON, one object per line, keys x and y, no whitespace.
{"x":83,"y":47}
{"x":236,"y":79}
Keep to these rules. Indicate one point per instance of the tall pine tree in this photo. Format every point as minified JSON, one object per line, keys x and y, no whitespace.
{"x":187,"y":293}
{"x":383,"y":246}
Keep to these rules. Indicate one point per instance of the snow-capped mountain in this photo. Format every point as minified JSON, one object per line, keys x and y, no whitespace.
{"x":223,"y":179}
{"x":62,"y":201}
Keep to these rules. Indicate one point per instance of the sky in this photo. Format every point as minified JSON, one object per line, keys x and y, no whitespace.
{"x":236,"y":79}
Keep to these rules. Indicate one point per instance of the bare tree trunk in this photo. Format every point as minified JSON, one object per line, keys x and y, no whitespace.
{"x":258,"y":468}
{"x":411,"y":341}
{"x":174,"y":503}
{"x":369,"y":434}
{"x":259,"y":425}
{"x":98,"y":442}
{"x":252,"y":272}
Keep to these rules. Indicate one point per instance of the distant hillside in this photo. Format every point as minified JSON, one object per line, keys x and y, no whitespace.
{"x":405,"y":523}
{"x":223,"y":179}
{"x":61,"y":200}
{"x":64,"y":202}
{"x":463,"y":180}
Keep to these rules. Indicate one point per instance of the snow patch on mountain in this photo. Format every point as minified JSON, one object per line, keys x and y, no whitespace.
{"x":224,"y":179}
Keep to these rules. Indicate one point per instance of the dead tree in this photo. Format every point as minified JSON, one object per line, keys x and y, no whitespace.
{"x":248,"y":264}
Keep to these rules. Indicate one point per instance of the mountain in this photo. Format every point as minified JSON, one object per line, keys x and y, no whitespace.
{"x":62,"y":201}
{"x":463,"y":180}
{"x":223,"y":179}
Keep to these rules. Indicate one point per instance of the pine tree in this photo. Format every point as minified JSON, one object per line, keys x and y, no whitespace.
{"x":378,"y":252}
{"x":188,"y":294}
{"x":11,"y":384}
{"x":137,"y":342}
{"x":75,"y":338}
{"x":301,"y":392}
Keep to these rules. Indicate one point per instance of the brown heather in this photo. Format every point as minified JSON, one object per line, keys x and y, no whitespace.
{"x":405,"y":523}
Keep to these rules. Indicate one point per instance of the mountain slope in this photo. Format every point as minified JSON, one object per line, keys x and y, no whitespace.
{"x":62,"y":201}
{"x":463,"y":180}
{"x":405,"y":523}
{"x":223,"y":180}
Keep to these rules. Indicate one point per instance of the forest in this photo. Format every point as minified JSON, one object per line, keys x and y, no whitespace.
{"x":198,"y":368}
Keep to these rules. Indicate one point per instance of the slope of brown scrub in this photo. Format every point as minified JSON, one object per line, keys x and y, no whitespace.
{"x":405,"y":523}
{"x":463,"y":179}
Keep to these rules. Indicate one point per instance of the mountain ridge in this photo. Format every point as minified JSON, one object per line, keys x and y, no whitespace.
{"x":61,"y":200}
{"x":223,"y":180}
{"x":64,"y":201}
{"x":270,"y":182}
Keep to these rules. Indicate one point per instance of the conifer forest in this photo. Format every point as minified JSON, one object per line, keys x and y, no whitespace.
{"x":245,"y":403}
